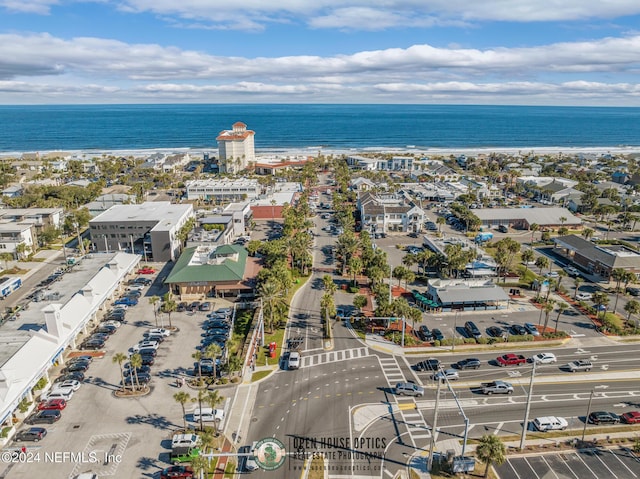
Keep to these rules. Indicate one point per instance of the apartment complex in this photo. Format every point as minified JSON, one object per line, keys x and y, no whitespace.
{"x":150,"y":229}
{"x":235,"y":148}
{"x":223,"y":190}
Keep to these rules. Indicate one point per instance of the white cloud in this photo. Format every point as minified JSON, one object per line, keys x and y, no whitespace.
{"x":41,"y":7}
{"x":84,"y":65}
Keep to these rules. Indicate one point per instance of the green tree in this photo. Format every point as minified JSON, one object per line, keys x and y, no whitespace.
{"x":213,"y":399}
{"x":135,"y":361}
{"x":169,"y":306}
{"x":576,"y":283}
{"x":632,"y":307}
{"x":6,"y":257}
{"x":542,"y":262}
{"x":533,"y":227}
{"x":562,"y":307}
{"x":182,"y":398}
{"x":120,"y":358}
{"x":491,"y":450}
{"x":197,"y":356}
{"x":547,"y":308}
{"x":273,"y":302}
{"x":152,"y":301}
{"x":328,"y":284}
{"x":600,"y":298}
{"x":212,"y":351}
{"x":359,"y":301}
{"x":527,"y":257}
{"x":587,"y":233}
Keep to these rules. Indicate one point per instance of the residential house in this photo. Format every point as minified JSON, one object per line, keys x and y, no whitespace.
{"x":14,"y":234}
{"x":385,"y":213}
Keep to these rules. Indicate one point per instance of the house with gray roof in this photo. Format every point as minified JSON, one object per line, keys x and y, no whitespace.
{"x":389,"y":212}
{"x":597,"y":259}
{"x":523,"y":218}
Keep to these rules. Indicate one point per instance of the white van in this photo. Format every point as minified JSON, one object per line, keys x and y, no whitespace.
{"x":208,"y":414}
{"x":294,"y":360}
{"x":550,"y":423}
{"x":185,"y":440}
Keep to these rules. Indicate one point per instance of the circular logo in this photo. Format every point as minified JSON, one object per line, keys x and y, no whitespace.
{"x":269,"y":454}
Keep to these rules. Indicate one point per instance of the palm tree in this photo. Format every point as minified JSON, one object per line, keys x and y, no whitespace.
{"x":169,"y":306}
{"x":440,"y":221}
{"x":527,"y":257}
{"x":199,"y":399}
{"x":632,"y":307}
{"x":198,"y":357}
{"x":562,"y":307}
{"x":355,"y":266}
{"x":360,"y":301}
{"x":533,"y":227}
{"x":491,"y":450}
{"x":152,"y":301}
{"x":600,"y":299}
{"x":182,"y":398}
{"x":587,"y":233}
{"x":272,"y":301}
{"x":577,"y":282}
{"x":212,"y":399}
{"x":212,"y":351}
{"x":547,"y":308}
{"x":6,"y":257}
{"x":135,"y":361}
{"x":120,"y":358}
{"x":542,"y":262}
{"x":328,"y":284}
{"x":618,"y":275}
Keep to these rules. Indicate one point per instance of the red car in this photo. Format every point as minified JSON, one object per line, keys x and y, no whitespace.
{"x":146,"y":271}
{"x":511,"y":360}
{"x":177,"y":472}
{"x":631,"y":417}
{"x":58,"y":404}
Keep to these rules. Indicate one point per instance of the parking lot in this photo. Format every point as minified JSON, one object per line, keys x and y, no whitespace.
{"x":598,"y":463}
{"x":135,"y":433}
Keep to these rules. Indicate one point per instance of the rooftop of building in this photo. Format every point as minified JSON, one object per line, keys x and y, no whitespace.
{"x":540,"y":216}
{"x":223,"y":183}
{"x":165,"y":213}
{"x":210,"y":264}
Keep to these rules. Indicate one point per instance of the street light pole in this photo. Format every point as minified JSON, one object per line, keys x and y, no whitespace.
{"x":455,"y":327}
{"x":403,"y":330}
{"x":528,"y":408}
{"x":435,"y":425}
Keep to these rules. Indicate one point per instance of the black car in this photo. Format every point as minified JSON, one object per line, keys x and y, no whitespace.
{"x":106,"y":329}
{"x":147,"y":360}
{"x":206,"y":306}
{"x":148,"y":352}
{"x":99,"y":337}
{"x":603,"y":417}
{"x":115,"y":317}
{"x":142,"y":379}
{"x":425,"y":334}
{"x":144,"y":369}
{"x":194,"y":306}
{"x":181,"y":307}
{"x":431,"y":364}
{"x":633,"y":291}
{"x":92,"y":344}
{"x":141,"y":280}
{"x":495,"y":331}
{"x":74,"y":376}
{"x":32,"y":434}
{"x":519,"y":330}
{"x":469,"y":363}
{"x":472,"y":330}
{"x":85,"y":358}
{"x":134,"y":294}
{"x":217,"y":324}
{"x":78,"y":366}
{"x":47,"y":416}
{"x":158,"y":338}
{"x":437,"y":334}
{"x":118,"y":311}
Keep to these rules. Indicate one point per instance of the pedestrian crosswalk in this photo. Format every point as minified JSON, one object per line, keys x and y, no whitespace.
{"x":410,"y":416}
{"x":333,"y":357}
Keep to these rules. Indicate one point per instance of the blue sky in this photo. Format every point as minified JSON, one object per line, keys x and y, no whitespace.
{"x":535,"y":52}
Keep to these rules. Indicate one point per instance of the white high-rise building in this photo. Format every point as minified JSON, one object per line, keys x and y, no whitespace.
{"x":235,"y":148}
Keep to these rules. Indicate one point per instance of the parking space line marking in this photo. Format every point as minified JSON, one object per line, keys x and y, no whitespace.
{"x":513,"y":469}
{"x":531,"y":467}
{"x":585,"y":465}
{"x":605,"y":465}
{"x":549,"y":466}
{"x":616,"y":456}
{"x":561,"y":456}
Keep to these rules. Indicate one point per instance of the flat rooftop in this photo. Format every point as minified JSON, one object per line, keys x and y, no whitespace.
{"x":165,"y":212}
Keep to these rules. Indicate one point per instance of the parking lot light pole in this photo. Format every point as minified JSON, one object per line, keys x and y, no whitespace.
{"x":586,"y":418}
{"x":525,"y":424}
{"x":435,"y":425}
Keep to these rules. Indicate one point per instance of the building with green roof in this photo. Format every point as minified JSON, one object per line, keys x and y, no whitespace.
{"x":211,"y":271}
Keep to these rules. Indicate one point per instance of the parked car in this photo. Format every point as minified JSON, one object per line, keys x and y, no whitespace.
{"x":113,"y":323}
{"x":92,"y":344}
{"x":146,"y":352}
{"x":206,"y":306}
{"x":431,"y":364}
{"x":603,"y":417}
{"x":144,"y":369}
{"x":141,"y":280}
{"x":584,"y":296}
{"x":177,"y":472}
{"x":518,"y":330}
{"x":250,"y":463}
{"x":182,"y":307}
{"x":425,"y":334}
{"x":75,"y":376}
{"x":159,"y":331}
{"x":133,"y":294}
{"x":633,"y":291}
{"x":469,"y":363}
{"x":141,"y":379}
{"x":147,"y":360}
{"x":69,"y":384}
{"x":408,"y":389}
{"x":552,"y":274}
{"x":437,"y":334}
{"x":58,"y":404}
{"x":550,"y":423}
{"x":495,"y":331}
{"x":145,"y":345}
{"x":544,"y":358}
{"x":447,"y":374}
{"x":48,"y":416}
{"x":106,"y":329}
{"x":531,"y":329}
{"x":83,"y":358}
{"x":99,"y":337}
{"x":631,"y":417}
{"x":34,"y":434}
{"x":154,"y":338}
{"x":472,"y":330}
{"x":146,"y":271}
{"x":126,"y":301}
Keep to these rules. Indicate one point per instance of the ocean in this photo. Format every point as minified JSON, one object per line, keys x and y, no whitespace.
{"x":333,"y":127}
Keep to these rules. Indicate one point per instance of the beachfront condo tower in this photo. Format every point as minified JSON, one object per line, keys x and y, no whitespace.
{"x":235,"y":148}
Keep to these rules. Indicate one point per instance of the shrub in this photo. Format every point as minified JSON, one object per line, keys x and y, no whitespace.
{"x":42,"y":382}
{"x":436,"y":343}
{"x":353,"y":289}
{"x":483,"y":340}
{"x":24,"y":405}
{"x":513,"y":338}
{"x":555,"y":335}
{"x":469,"y":340}
{"x":5,"y":431}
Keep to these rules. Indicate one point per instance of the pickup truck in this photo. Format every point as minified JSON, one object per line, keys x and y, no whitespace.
{"x":580,"y":365}
{"x":511,"y":360}
{"x":496,"y":387}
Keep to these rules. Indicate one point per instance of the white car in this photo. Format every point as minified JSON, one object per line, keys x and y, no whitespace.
{"x":120,"y":306}
{"x":115,"y":324}
{"x":552,"y":274}
{"x":69,"y":384}
{"x":550,"y":423}
{"x":135,"y":287}
{"x":544,"y":358}
{"x":584,"y":296}
{"x":145,"y":345}
{"x":450,"y":374}
{"x":160,"y":332}
{"x":57,"y":393}
{"x":571,"y":271}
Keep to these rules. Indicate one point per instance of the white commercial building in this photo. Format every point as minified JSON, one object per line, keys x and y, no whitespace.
{"x":235,"y":148}
{"x":223,"y":190}
{"x":14,"y":234}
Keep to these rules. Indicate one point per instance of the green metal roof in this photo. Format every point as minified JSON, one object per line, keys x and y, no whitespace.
{"x":228,"y":270}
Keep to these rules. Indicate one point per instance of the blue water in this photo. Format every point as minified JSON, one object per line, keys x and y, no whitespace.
{"x":122,"y":127}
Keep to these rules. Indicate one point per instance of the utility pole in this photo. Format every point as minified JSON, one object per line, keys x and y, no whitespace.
{"x":455,"y":327}
{"x":404,"y":323}
{"x":586,"y":418}
{"x":433,"y":429}
{"x":527,"y":409}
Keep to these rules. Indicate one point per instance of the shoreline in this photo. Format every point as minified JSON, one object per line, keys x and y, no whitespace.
{"x":315,"y":150}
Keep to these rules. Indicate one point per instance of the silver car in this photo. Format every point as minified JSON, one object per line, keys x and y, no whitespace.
{"x":409,"y":389}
